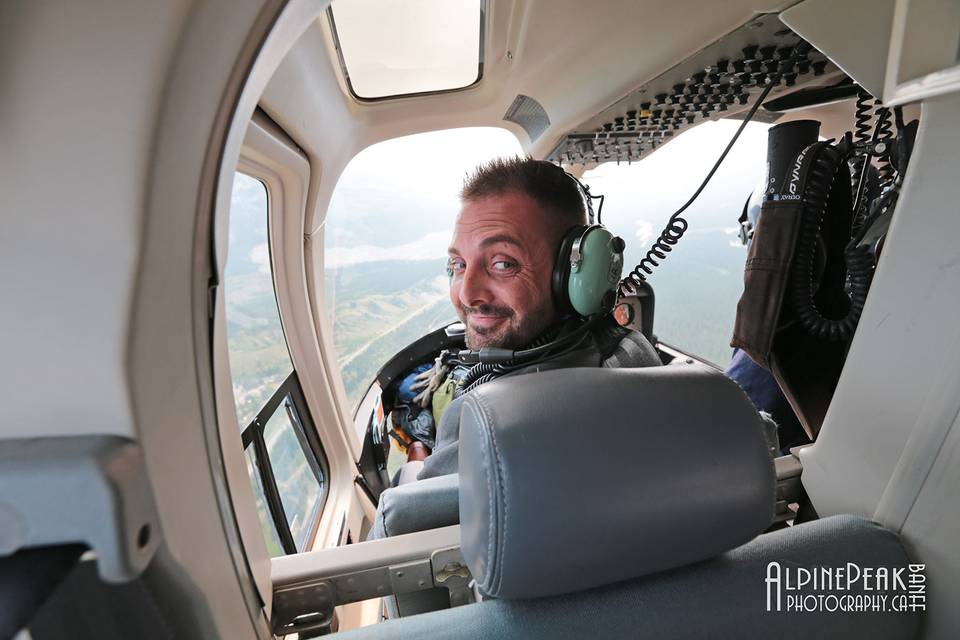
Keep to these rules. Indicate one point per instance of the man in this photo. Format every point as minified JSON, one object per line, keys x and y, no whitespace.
{"x":514,"y":215}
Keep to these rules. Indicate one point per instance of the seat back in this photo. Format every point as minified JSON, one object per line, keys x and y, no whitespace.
{"x":657,"y":534}
{"x":672,"y":467}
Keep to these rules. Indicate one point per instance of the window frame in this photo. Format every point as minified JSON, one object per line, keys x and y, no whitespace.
{"x":306,"y":434}
{"x":269,"y":155}
{"x":335,"y":37}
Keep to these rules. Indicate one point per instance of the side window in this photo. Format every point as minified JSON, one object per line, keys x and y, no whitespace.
{"x":699,"y":283}
{"x":386,"y":235}
{"x":284,"y":458}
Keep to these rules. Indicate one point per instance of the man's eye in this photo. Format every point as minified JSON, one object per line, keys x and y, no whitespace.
{"x":504,"y":265}
{"x":455,"y":267}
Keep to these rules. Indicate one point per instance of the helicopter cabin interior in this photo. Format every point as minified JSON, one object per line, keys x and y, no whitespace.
{"x":200,"y":408}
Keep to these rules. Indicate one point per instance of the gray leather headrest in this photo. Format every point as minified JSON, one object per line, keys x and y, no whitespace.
{"x":576,"y":478}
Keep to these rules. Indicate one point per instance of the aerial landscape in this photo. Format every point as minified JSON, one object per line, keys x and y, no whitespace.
{"x":386,"y":234}
{"x":379,"y":304}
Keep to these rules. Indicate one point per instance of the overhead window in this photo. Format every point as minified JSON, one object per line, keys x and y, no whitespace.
{"x":392,"y":48}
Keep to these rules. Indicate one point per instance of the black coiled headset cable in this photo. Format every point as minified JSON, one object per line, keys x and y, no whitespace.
{"x":868,"y":146}
{"x":549,"y":344}
{"x":677,"y":225}
{"x":858,"y":257}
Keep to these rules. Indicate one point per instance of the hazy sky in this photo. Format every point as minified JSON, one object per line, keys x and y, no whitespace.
{"x":642,"y":196}
{"x":398,"y":199}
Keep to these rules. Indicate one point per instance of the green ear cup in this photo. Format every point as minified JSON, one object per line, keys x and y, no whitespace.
{"x":596,"y":263}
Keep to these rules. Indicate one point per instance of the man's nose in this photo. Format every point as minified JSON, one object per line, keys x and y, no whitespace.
{"x":474,"y":289}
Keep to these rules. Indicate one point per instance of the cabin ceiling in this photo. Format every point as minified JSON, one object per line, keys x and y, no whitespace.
{"x":575,"y":58}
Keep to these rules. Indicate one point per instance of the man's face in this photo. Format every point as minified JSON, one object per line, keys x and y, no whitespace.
{"x":501,"y":261}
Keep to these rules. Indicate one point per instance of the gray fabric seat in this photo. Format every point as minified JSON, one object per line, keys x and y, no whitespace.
{"x":548,"y":411}
{"x":408,"y":472}
{"x":656,"y":536}
{"x":417,"y":506}
{"x":618,"y":472}
{"x":724,"y":597}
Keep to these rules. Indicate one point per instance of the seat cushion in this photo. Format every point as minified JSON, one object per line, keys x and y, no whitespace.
{"x":417,"y":506}
{"x":408,"y":472}
{"x":725,"y":597}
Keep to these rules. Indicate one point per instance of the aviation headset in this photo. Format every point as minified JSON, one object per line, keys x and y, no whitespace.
{"x":589,"y":263}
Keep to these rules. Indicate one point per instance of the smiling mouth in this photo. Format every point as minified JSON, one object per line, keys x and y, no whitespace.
{"x":484,"y":321}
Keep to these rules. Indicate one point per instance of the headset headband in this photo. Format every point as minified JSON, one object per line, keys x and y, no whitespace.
{"x":588,"y":199}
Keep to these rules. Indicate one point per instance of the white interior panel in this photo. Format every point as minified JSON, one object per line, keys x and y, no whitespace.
{"x":828,"y":25}
{"x":899,"y":350}
{"x":76,"y":128}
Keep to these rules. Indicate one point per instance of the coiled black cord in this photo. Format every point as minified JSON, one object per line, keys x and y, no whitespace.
{"x":483,"y":369}
{"x":884,"y":133}
{"x":677,"y":225}
{"x":862,"y":117}
{"x":545,"y":345}
{"x":858,"y":260}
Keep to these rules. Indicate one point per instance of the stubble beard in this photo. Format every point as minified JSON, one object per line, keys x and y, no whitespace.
{"x":514,"y":334}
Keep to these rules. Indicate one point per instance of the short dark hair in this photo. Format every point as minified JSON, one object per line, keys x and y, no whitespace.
{"x":546,"y":183}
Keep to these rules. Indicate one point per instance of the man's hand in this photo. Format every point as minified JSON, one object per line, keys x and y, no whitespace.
{"x":429,"y":381}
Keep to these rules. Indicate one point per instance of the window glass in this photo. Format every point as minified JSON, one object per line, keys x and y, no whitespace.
{"x":297,"y":480}
{"x":259,"y":361}
{"x":386,"y":235}
{"x":274,"y":546}
{"x":699,"y":283}
{"x":398,"y":47}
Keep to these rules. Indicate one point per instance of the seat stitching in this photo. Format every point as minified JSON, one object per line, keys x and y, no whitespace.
{"x":383,"y":512}
{"x":491,"y":497}
{"x":501,"y":491}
